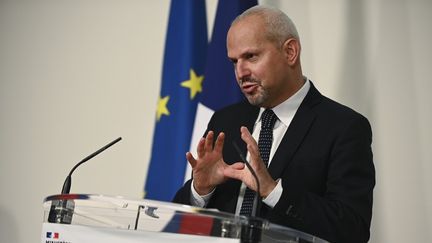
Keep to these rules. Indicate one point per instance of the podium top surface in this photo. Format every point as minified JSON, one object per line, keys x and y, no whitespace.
{"x":155,"y":216}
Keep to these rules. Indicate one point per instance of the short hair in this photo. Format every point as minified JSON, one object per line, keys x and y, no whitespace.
{"x":279,"y":26}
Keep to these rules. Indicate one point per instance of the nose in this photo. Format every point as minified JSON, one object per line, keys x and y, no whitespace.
{"x":242,"y":70}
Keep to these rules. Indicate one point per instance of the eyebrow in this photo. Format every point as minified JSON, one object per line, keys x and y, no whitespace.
{"x":244,"y":54}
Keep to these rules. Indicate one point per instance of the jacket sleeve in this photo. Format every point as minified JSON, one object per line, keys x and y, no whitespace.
{"x":183,"y":195}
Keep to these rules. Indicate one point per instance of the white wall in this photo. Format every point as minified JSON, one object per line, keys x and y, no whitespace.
{"x":74,"y":75}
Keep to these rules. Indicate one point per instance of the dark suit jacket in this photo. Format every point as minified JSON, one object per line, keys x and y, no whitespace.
{"x":324,"y":160}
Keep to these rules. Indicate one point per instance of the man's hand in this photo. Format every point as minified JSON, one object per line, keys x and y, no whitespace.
{"x":208,"y":168}
{"x":240,"y":172}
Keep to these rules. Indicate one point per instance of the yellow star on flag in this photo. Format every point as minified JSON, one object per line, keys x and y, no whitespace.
{"x":162,"y":107}
{"x":194,"y":83}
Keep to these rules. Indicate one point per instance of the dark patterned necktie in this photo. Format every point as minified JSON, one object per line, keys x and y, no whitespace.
{"x":268,"y":120}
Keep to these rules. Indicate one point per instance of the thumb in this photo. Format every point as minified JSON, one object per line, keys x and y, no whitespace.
{"x":238,"y":166}
{"x":191,"y":159}
{"x":234,"y":171}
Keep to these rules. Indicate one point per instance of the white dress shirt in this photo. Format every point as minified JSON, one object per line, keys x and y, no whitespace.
{"x":285,"y":113}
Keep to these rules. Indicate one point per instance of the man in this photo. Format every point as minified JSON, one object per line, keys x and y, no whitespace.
{"x":320,"y":174}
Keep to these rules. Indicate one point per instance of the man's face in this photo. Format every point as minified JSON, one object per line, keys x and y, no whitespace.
{"x":260,"y":65}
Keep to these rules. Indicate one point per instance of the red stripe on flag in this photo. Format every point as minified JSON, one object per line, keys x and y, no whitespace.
{"x":196,"y":225}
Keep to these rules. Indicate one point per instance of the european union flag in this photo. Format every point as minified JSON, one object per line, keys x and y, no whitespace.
{"x":182,"y":79}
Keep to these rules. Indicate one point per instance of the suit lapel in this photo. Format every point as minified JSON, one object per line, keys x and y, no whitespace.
{"x":227,"y":201}
{"x":248,"y":121}
{"x":297,"y":130}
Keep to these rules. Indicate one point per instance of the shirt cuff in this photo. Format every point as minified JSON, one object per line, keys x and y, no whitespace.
{"x":274,"y":195}
{"x":198,"y":200}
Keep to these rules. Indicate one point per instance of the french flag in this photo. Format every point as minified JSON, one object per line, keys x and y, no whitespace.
{"x":52,"y":235}
{"x":220,"y":87}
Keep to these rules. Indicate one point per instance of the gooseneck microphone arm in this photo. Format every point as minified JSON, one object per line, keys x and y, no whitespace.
{"x":251,"y":232}
{"x":258,"y":201}
{"x":62,"y":210}
{"x":67,"y":182}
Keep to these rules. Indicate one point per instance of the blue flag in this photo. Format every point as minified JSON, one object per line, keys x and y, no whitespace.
{"x":220,"y":87}
{"x":182,"y":78}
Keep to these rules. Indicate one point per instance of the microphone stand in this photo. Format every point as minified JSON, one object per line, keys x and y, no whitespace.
{"x":61,"y":210}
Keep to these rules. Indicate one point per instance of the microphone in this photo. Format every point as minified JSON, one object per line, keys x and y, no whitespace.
{"x":251,"y":232}
{"x":258,"y":197}
{"x":61,"y":211}
{"x":68,"y":180}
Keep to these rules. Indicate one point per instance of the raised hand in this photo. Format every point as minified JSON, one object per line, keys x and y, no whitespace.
{"x":240,"y":172}
{"x":208,"y":168}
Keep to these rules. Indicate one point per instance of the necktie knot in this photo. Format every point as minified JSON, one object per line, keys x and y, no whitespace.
{"x":268,"y":119}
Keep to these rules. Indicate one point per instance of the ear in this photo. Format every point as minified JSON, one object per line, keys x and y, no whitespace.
{"x":291,"y":48}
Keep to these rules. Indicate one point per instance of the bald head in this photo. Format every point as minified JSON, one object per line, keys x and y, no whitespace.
{"x":278,"y":26}
{"x":263,"y":45}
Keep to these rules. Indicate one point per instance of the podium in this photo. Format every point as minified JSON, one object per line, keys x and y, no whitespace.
{"x":82,"y":218}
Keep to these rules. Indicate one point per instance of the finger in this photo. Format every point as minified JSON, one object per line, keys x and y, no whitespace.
{"x":208,"y":146}
{"x":253,"y":151}
{"x":247,"y":136}
{"x":219,"y":142}
{"x":200,"y":148}
{"x":191,"y":159}
{"x":234,"y":172}
{"x":252,"y":146}
{"x":238,"y":166}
